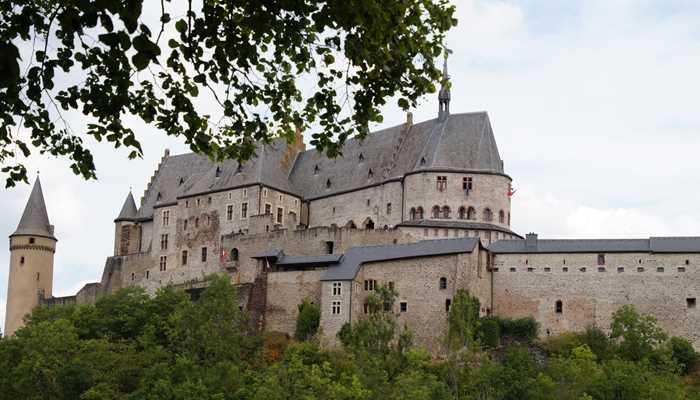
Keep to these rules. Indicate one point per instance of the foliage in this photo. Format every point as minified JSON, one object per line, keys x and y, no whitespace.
{"x":489,"y":332}
{"x":525,"y":329}
{"x":260,"y":72}
{"x":308,"y":320}
{"x":639,"y":335}
{"x":683,"y":353}
{"x":463,"y":321}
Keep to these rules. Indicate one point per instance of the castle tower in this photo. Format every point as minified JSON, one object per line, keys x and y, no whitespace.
{"x":32,"y":247}
{"x":127,"y":233}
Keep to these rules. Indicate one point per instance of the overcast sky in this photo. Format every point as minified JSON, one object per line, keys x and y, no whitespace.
{"x":594,"y":105}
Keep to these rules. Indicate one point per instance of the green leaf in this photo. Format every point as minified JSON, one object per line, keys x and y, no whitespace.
{"x":140,"y":61}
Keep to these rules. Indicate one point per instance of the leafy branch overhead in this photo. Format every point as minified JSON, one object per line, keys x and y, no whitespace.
{"x":270,"y":67}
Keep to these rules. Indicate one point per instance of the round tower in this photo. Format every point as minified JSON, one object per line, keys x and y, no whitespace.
{"x":32,"y":247}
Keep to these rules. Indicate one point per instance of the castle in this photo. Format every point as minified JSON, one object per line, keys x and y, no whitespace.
{"x":423,"y":208}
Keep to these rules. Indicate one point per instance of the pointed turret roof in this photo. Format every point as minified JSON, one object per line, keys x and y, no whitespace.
{"x":35,"y":219}
{"x":128,"y":211}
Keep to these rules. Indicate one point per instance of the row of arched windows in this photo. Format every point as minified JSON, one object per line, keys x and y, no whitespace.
{"x":468,"y":213}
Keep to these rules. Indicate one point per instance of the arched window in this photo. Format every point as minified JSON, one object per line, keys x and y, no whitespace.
{"x":328,"y":184}
{"x":488,"y":215}
{"x":369,"y":224}
{"x":436,"y":212}
{"x":462,"y":213}
{"x":412,"y":214}
{"x":351,"y":225}
{"x":234,"y":254}
{"x":445,"y":212}
{"x":419,"y":213}
{"x":558,"y":307}
{"x":502,"y":217}
{"x":471,"y":213}
{"x":443,"y":283}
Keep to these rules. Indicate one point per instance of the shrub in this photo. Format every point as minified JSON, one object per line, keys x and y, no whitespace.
{"x":563,"y":344}
{"x":525,"y":329}
{"x":308,"y":320}
{"x":489,"y":332}
{"x":683,"y":353}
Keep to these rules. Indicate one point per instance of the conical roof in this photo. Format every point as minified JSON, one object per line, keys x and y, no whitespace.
{"x":35,"y":219}
{"x":128,"y":211}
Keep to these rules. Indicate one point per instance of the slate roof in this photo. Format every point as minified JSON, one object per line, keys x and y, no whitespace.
{"x":460,"y":142}
{"x":651,"y":245}
{"x":356,"y":256}
{"x":128,"y":211}
{"x":35,"y":219}
{"x":445,"y":223}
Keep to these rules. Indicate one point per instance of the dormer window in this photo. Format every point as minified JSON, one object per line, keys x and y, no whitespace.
{"x":316,"y":169}
{"x":328,"y":184}
{"x":218,"y":172}
{"x":361,"y":157}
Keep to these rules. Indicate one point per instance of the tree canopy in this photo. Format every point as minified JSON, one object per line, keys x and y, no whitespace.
{"x":267,"y":69}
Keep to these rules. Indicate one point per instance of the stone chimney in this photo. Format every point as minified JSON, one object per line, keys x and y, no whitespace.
{"x":531,"y":240}
{"x":409,"y":119}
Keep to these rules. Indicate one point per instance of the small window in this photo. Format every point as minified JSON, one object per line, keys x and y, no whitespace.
{"x":443,"y":283}
{"x":244,"y":210}
{"x":21,"y":260}
{"x":163,"y":263}
{"x":234,"y":255}
{"x":640,"y":269}
{"x":229,"y":212}
{"x":558,"y":307}
{"x":467,"y":183}
{"x":164,"y":242}
{"x":448,"y":305}
{"x":388,"y":208}
{"x":204,"y":254}
{"x":512,"y":269}
{"x":148,"y":274}
{"x":198,"y":202}
{"x":547,"y":269}
{"x":681,"y":269}
{"x":690,"y":302}
{"x":422,"y":161}
{"x":280,"y":211}
{"x":601,"y":269}
{"x":601,"y":259}
{"x":335,"y":307}
{"x":369,"y":201}
{"x":361,"y":157}
{"x":530,"y":269}
{"x":316,"y":170}
{"x":337,"y":288}
{"x":133,"y":276}
{"x":32,"y":241}
{"x":187,"y":204}
{"x":526,"y":261}
{"x":184,"y":225}
{"x":502,"y":217}
{"x":38,"y":276}
{"x":582,"y":269}
{"x":264,"y":192}
{"x":441,"y":183}
{"x":659,"y":269}
{"x":184,"y":257}
{"x":687,"y":262}
{"x":329,"y":247}
{"x":620,"y":270}
{"x":403,"y":306}
{"x":182,"y":180}
{"x":370,"y":173}
{"x":218,"y":172}
{"x":328,"y":184}
{"x":209,"y":200}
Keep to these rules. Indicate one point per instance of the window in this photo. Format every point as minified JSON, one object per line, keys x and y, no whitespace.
{"x":502,"y":217}
{"x":234,"y":255}
{"x":335,"y":308}
{"x":329,"y":247}
{"x":419,"y":213}
{"x":690,"y":302}
{"x":443,"y":283}
{"x":133,"y":276}
{"x":38,"y":276}
{"x":370,"y":173}
{"x":204,"y":254}
{"x":467,"y":183}
{"x":337,"y":288}
{"x":370,"y":284}
{"x":436,"y":212}
{"x":196,"y":223}
{"x":166,"y":217}
{"x":687,"y":262}
{"x":209,"y":200}
{"x":512,"y":269}
{"x":422,"y":161}
{"x":361,"y":157}
{"x":530,"y":269}
{"x":184,"y":257}
{"x":315,"y":169}
{"x":403,"y":306}
{"x":187,"y":204}
{"x":391,"y":285}
{"x":471,"y":213}
{"x":441,"y":183}
{"x":659,"y":269}
{"x":365,"y":308}
{"x":229,"y":212}
{"x":280,"y":211}
{"x":184,"y":225}
{"x":565,"y":269}
{"x":640,"y":269}
{"x":388,"y":208}
{"x":280,"y":197}
{"x":601,"y":269}
{"x":148,"y":274}
{"x":245,"y":192}
{"x":163,"y":263}
{"x":217,"y":174}
{"x":268,"y":209}
{"x":558,"y":307}
{"x":601,"y":259}
{"x":198,"y":202}
{"x":620,"y":270}
{"x":681,"y":269}
{"x":32,"y":241}
{"x":488,"y":215}
{"x":582,"y":269}
{"x":445,"y":212}
{"x":462,"y":213}
{"x":448,"y":305}
{"x":547,"y":269}
{"x":328,"y":184}
{"x":164,"y":242}
{"x":264,"y":192}
{"x":244,"y":210}
{"x":21,"y":260}
{"x":412,"y":214}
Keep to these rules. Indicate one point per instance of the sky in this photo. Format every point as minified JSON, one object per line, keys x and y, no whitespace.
{"x":594,"y":105}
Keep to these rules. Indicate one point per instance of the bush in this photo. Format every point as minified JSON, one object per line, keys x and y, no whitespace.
{"x":598,"y":342}
{"x":308,"y":320}
{"x":525,"y":329}
{"x":683,"y":353}
{"x":489,"y":332}
{"x":563,"y":344}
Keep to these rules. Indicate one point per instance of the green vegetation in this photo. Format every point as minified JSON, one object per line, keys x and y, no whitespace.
{"x":221,"y":74}
{"x":132,"y":346}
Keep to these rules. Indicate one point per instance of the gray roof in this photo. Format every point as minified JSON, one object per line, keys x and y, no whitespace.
{"x":128,"y":211}
{"x":324,"y":259}
{"x":460,"y":142}
{"x":651,"y":245}
{"x":270,"y":253}
{"x":456,"y":224}
{"x":35,"y":219}
{"x":356,"y":256}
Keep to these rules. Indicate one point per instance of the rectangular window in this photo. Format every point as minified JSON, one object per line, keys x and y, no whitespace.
{"x":204,"y":254}
{"x":133,"y":276}
{"x":166,"y":217}
{"x":148,"y":274}
{"x":403,"y":306}
{"x":163,"y":263}
{"x":601,"y":259}
{"x":681,"y":269}
{"x":448,"y":305}
{"x":229,"y":212}
{"x":280,"y":211}
{"x":329,"y":247}
{"x":441,"y":183}
{"x":335,"y":308}
{"x":690,"y":302}
{"x":640,"y":269}
{"x":264,"y":192}
{"x":601,"y":269}
{"x":184,"y":257}
{"x":547,"y":269}
{"x":530,"y":269}
{"x":565,"y":269}
{"x":164,"y":242}
{"x":659,"y":269}
{"x":337,"y":287}
{"x":620,"y":269}
{"x":388,"y":208}
{"x":245,"y":192}
{"x":268,"y":209}
{"x":391,"y":285}
{"x":512,"y":269}
{"x":244,"y":210}
{"x":467,"y":183}
{"x":370,"y":284}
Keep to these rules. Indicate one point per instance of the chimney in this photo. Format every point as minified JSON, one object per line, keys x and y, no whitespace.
{"x":409,"y":119}
{"x":531,"y":240}
{"x":166,"y":154}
